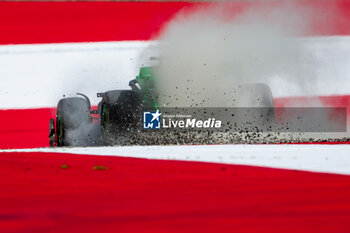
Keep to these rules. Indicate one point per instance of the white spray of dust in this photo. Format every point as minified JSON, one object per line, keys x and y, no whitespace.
{"x":206,"y":55}
{"x":87,"y":134}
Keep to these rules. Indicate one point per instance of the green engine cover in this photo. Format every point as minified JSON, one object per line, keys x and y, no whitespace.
{"x":146,"y":81}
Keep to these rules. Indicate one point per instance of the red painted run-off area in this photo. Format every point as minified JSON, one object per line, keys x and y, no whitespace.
{"x":49,"y":22}
{"x":25,"y":128}
{"x":139,"y":195}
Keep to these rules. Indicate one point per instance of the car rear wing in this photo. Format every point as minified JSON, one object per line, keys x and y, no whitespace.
{"x":100,"y":95}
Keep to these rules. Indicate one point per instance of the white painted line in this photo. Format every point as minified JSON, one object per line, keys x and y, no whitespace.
{"x":316,"y":158}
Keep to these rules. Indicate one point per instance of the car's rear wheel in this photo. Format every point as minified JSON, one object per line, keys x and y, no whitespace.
{"x":120,"y":113}
{"x":72,"y":113}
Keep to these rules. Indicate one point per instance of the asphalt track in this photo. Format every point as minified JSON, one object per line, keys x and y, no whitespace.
{"x":57,"y":192}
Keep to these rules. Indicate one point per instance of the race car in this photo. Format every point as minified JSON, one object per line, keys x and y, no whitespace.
{"x":121,"y":111}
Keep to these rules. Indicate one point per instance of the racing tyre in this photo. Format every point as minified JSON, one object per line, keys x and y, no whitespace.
{"x":120,"y":114}
{"x":256,"y":107}
{"x":72,"y":114}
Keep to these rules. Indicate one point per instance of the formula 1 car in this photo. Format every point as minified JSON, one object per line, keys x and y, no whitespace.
{"x":119,"y":111}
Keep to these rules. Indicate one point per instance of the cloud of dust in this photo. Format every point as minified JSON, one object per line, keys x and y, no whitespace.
{"x":206,"y":55}
{"x":87,"y":134}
